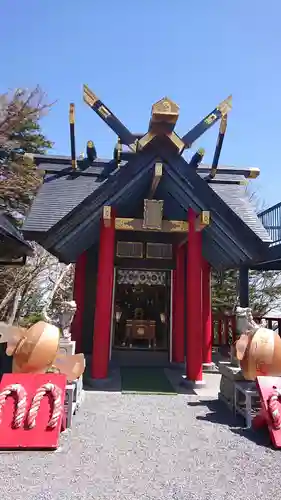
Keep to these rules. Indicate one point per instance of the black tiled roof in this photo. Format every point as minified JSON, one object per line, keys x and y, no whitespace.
{"x":64,"y":192}
{"x":66,"y":212}
{"x":11,"y":239}
{"x":57,"y":197}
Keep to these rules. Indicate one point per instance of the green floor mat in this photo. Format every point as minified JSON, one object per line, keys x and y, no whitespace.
{"x":143,"y":380}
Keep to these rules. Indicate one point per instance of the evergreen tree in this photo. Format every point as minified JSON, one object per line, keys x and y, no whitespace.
{"x":224,"y":291}
{"x":20,"y":132}
{"x":264,"y":291}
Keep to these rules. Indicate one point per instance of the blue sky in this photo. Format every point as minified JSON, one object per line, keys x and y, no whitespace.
{"x":132,"y":53}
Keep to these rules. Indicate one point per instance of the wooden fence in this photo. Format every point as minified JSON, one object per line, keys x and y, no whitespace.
{"x":224,"y":328}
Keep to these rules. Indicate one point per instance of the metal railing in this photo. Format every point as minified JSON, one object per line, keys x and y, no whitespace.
{"x":271,"y":220}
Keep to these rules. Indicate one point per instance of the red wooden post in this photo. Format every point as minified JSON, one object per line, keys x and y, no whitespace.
{"x":79,"y":297}
{"x":178,"y":304}
{"x":105,"y":278}
{"x":194,"y":302}
{"x":206,"y":312}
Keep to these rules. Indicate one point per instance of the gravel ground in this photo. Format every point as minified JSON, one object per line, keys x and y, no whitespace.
{"x":146,"y":447}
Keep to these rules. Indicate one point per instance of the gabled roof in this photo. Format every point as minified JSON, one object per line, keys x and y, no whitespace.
{"x":66,"y":213}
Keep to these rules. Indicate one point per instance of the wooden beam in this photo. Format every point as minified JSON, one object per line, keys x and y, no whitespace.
{"x":146,"y":139}
{"x":158,"y":172}
{"x":249,"y":173}
{"x":202,"y":221}
{"x":168,"y":226}
{"x":176,"y":140}
{"x":106,"y":215}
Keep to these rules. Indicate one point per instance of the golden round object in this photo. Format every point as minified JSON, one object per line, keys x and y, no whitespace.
{"x":260,"y":354}
{"x":36,"y":349}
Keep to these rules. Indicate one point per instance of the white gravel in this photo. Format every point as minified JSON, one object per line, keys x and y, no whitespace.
{"x":146,"y":447}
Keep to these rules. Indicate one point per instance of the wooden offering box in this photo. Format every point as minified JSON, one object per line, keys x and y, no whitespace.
{"x":139,"y":329}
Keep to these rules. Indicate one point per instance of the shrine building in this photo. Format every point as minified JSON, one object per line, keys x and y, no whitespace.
{"x":144,"y":229}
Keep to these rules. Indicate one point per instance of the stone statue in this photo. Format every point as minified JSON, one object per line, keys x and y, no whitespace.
{"x":245,"y":321}
{"x":66,"y":314}
{"x":62,"y":318}
{"x":258,"y":349}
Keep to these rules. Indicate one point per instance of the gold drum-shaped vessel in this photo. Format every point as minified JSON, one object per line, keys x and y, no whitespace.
{"x":259,"y":354}
{"x":37,"y":348}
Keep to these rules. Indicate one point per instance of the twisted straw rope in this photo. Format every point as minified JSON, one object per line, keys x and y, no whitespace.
{"x":21,"y":401}
{"x":36,"y":401}
{"x":273,"y":403}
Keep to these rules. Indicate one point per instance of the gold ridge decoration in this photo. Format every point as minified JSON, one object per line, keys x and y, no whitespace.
{"x":89,"y":97}
{"x":176,"y":141}
{"x":205,"y":218}
{"x":211,"y":118}
{"x":148,"y":137}
{"x":71,"y":113}
{"x":124,"y":224}
{"x":158,"y":169}
{"x":165,"y":107}
{"x":106,"y":215}
{"x":254,"y":173}
{"x":225,"y":106}
{"x":103,"y":111}
{"x":179,"y":226}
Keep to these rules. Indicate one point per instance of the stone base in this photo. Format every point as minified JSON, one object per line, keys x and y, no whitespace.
{"x":192,"y":384}
{"x":209,"y":367}
{"x":229,"y":375}
{"x":230,"y":371}
{"x":67,"y":347}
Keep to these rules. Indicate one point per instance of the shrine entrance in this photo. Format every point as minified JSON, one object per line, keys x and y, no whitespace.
{"x":141,"y":316}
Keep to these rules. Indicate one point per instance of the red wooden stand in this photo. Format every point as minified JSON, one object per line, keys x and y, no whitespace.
{"x":40,"y":436}
{"x":266,"y":386}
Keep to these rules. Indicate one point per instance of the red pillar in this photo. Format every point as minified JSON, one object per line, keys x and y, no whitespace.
{"x":206,"y":312}
{"x":178,"y":307}
{"x":101,"y":342}
{"x":79,"y":297}
{"x":194,"y":301}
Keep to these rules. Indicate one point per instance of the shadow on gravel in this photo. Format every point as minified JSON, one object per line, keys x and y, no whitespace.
{"x":220,"y":414}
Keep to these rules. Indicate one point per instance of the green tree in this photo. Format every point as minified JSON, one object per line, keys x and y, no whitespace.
{"x":225,"y":290}
{"x":264,"y":291}
{"x":20,"y":132}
